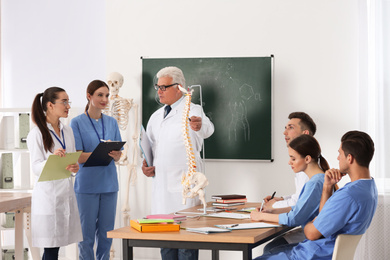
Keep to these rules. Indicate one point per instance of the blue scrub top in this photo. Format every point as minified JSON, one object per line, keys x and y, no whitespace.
{"x":307,"y":205}
{"x":97,"y":179}
{"x":348,"y":211}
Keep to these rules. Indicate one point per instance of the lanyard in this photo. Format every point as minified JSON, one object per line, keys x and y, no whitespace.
{"x":63,"y":137}
{"x":95,"y":127}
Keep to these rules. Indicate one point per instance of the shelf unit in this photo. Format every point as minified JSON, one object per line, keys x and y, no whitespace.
{"x":22,"y":177}
{"x":9,"y":143}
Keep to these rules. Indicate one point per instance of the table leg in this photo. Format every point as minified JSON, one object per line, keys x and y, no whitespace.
{"x":247,"y":254}
{"x":127,"y":250}
{"x":215,"y":254}
{"x":34,"y":251}
{"x":19,"y":235}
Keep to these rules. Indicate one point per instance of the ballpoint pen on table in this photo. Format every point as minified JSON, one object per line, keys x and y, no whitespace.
{"x":235,"y":225}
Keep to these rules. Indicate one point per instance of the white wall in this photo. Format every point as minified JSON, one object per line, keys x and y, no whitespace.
{"x":51,"y":43}
{"x":315,"y":44}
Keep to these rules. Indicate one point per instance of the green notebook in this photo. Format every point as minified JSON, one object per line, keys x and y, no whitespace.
{"x":154,"y":221}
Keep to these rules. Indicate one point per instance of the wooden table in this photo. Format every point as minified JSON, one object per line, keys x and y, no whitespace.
{"x":17,"y":202}
{"x":237,"y":240}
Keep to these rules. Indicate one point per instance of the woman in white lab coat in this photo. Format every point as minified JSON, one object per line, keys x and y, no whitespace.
{"x":55,"y":220}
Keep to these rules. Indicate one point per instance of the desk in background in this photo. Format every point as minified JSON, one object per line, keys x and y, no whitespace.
{"x":19,"y":203}
{"x":237,"y":240}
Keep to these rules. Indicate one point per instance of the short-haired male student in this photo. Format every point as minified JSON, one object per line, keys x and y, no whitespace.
{"x":299,"y":123}
{"x":348,"y":211}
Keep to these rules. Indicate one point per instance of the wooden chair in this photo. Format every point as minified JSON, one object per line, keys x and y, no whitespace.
{"x":345,"y":246}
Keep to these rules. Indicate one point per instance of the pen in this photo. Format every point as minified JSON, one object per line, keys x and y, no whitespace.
{"x":235,"y":225}
{"x":262,"y":204}
{"x":273,"y":195}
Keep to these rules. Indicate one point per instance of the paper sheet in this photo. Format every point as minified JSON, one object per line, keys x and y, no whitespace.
{"x":207,"y":230}
{"x":229,"y":215}
{"x":54,"y":168}
{"x":248,"y":210}
{"x":248,"y":225}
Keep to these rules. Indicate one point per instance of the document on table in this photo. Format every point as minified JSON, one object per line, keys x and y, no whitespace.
{"x":229,"y":215}
{"x":55,"y":165}
{"x":146,"y":148}
{"x":207,"y":230}
{"x":211,"y":209}
{"x":248,"y":225}
{"x":249,"y":210}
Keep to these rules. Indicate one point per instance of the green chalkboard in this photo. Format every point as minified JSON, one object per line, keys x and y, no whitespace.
{"x":236,"y":96}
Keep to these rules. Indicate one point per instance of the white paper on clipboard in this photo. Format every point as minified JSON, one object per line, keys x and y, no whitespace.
{"x":146,"y":147}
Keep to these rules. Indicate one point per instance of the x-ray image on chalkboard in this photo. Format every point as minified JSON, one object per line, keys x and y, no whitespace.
{"x":236,"y":95}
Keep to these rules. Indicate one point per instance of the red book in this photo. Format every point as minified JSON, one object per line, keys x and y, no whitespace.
{"x":231,"y":201}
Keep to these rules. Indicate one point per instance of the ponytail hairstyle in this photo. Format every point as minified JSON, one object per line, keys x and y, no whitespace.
{"x":93,"y":86}
{"x":308,"y":145}
{"x":38,"y":114}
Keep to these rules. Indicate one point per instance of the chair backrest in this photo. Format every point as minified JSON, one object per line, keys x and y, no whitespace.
{"x":345,"y":246}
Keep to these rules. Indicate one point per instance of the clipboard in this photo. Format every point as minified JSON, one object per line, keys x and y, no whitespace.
{"x":100,"y":157}
{"x":54,"y":168}
{"x":146,"y":148}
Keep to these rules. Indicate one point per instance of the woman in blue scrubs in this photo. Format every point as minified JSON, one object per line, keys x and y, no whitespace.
{"x":96,"y":187}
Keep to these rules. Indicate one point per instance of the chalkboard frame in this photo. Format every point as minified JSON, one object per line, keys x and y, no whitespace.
{"x":150,"y":67}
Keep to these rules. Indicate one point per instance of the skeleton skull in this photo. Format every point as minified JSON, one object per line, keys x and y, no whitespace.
{"x":115,"y":82}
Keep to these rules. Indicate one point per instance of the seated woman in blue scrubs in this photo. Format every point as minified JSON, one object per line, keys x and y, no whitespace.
{"x":305,"y":155}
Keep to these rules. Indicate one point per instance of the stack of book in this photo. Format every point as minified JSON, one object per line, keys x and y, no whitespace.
{"x":176,"y":218}
{"x":154,"y":225}
{"x":226,"y":201}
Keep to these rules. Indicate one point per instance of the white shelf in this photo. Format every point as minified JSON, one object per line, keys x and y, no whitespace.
{"x":6,"y":228}
{"x":15,"y":110}
{"x":19,"y":150}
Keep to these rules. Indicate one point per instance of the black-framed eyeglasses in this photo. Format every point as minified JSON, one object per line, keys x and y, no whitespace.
{"x":162,"y":87}
{"x":65,"y":103}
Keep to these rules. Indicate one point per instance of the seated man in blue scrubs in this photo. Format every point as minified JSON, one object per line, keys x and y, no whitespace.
{"x":349,"y":210}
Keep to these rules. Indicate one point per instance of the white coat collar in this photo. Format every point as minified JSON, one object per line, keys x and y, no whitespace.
{"x":174,"y":107}
{"x":51,"y":127}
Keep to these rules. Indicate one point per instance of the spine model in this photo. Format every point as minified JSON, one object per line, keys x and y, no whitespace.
{"x":193,"y":182}
{"x":186,"y":177}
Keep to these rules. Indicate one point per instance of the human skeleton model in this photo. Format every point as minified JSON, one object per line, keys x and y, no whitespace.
{"x":191,"y":177}
{"x":119,"y":108}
